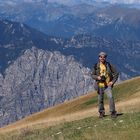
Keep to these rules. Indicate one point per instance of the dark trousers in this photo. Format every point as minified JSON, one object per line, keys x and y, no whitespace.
{"x":108,"y":92}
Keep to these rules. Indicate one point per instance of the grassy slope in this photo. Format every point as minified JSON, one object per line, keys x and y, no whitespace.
{"x":72,"y":120}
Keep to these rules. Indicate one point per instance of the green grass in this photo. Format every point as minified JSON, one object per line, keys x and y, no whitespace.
{"x":120,"y":92}
{"x":125,"y":127}
{"x":91,"y":101}
{"x":127,"y":89}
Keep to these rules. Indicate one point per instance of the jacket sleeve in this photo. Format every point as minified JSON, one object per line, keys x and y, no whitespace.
{"x":115,"y":74}
{"x":93,"y":73}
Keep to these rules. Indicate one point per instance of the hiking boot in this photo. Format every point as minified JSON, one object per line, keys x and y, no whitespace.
{"x":101,"y":115}
{"x":113,"y":115}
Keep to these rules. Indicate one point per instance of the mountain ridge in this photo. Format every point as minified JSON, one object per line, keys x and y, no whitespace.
{"x":41,"y":17}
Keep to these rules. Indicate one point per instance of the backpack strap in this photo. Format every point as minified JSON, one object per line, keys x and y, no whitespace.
{"x":109,"y":66}
{"x":95,"y":66}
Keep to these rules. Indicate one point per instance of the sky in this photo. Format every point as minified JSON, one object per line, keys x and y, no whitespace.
{"x":70,"y":2}
{"x":124,"y":1}
{"x":111,"y":1}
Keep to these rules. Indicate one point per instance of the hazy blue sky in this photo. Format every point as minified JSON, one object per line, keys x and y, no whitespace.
{"x":112,"y":1}
{"x":67,"y":2}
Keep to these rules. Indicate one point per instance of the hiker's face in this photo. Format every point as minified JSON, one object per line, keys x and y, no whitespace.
{"x":102,"y":58}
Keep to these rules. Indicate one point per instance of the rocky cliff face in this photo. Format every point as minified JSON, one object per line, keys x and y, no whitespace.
{"x":40,"y":79}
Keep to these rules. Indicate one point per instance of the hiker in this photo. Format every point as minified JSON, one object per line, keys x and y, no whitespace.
{"x":105,"y":75}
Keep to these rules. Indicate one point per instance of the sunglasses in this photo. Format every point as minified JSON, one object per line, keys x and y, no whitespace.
{"x":102,"y":56}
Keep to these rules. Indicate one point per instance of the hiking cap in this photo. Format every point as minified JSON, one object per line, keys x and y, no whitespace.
{"x":103,"y":53}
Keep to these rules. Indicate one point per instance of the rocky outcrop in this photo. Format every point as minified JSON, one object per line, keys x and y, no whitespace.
{"x":39,"y":79}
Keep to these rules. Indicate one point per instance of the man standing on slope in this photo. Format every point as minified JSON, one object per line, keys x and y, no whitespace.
{"x":105,"y":75}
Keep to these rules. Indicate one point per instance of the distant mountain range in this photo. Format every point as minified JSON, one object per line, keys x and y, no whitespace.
{"x":16,"y":38}
{"x":99,"y":19}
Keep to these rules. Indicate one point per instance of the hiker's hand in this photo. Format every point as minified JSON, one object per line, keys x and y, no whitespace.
{"x":99,"y":78}
{"x":110,"y":84}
